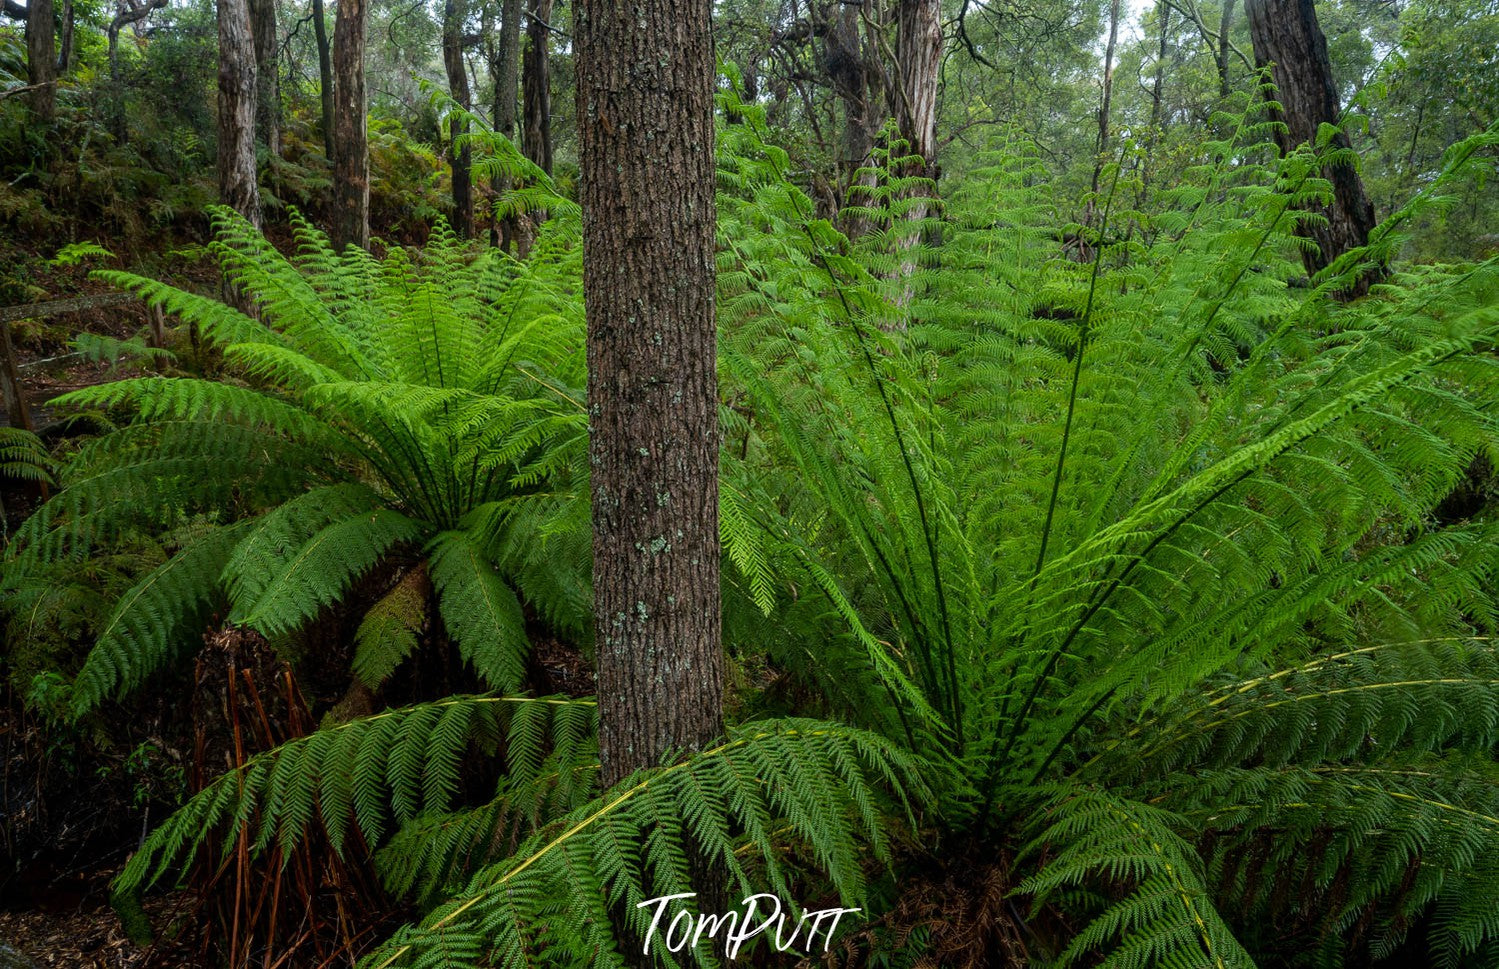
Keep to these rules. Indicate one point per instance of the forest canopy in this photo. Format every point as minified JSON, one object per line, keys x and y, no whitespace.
{"x":494,"y":482}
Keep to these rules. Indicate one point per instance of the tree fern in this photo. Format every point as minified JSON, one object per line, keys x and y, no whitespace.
{"x":368,"y":412}
{"x":1098,"y":489}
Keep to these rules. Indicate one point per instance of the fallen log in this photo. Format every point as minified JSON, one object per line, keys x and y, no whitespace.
{"x":57,"y":307}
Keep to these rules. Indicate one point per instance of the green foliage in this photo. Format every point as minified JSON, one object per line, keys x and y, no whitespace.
{"x":369,"y":411}
{"x":1113,"y":549}
{"x":1057,"y":521}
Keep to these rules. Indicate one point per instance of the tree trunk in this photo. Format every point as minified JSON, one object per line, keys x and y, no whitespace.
{"x":645,"y":122}
{"x":41,"y":59}
{"x":127,"y":14}
{"x":854,"y":84}
{"x":351,"y":161}
{"x":918,"y":53}
{"x":453,"y":16}
{"x":918,"y":49}
{"x":12,"y":392}
{"x":1224,"y":89}
{"x":536,"y":138}
{"x":65,"y":49}
{"x":1163,"y":16}
{"x":1287,"y":35}
{"x":236,"y":130}
{"x":268,"y":101}
{"x":505,"y":65}
{"x":325,"y":76}
{"x":1105,"y":107}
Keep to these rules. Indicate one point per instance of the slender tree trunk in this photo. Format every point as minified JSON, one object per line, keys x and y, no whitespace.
{"x":41,"y":59}
{"x":1224,"y":25}
{"x":116,"y":108}
{"x":645,"y":121}
{"x":65,"y":51}
{"x":454,"y":14}
{"x":1157,"y":108}
{"x":505,"y":64}
{"x":536,"y":138}
{"x":1158,"y":83}
{"x":236,"y":128}
{"x":1286,"y":35}
{"x":1105,"y":107}
{"x":127,"y":14}
{"x":268,"y":101}
{"x":351,"y":161}
{"x":325,"y":76}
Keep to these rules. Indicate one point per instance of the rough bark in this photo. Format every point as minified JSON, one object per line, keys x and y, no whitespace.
{"x":41,"y":59}
{"x":454,"y":12}
{"x":268,"y":97}
{"x":1286,"y":35}
{"x":536,"y":137}
{"x":351,"y":161}
{"x":236,"y":110}
{"x":505,"y":66}
{"x":645,"y":121}
{"x":918,"y":49}
{"x":325,"y":77}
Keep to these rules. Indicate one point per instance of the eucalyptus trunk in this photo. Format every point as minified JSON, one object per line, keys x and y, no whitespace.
{"x":236,"y":110}
{"x":351,"y":162}
{"x":454,"y":14}
{"x":645,"y":121}
{"x":536,"y":138}
{"x":1224,"y":25}
{"x":1288,"y":39}
{"x":505,"y":64}
{"x":268,"y":100}
{"x":41,"y":59}
{"x":325,"y":77}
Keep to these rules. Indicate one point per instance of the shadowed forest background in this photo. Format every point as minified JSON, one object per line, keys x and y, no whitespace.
{"x":1021,"y":468}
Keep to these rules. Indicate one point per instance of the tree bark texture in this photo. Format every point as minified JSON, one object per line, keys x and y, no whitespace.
{"x":41,"y":59}
{"x":645,"y":120}
{"x":351,"y":161}
{"x":536,"y":138}
{"x":505,"y":63}
{"x":1286,"y":35}
{"x":454,"y":14}
{"x":325,"y":76}
{"x":918,"y":48}
{"x":268,"y":99}
{"x":238,"y":188}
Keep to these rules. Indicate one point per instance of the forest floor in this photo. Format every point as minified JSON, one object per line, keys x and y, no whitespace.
{"x":88,"y":936}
